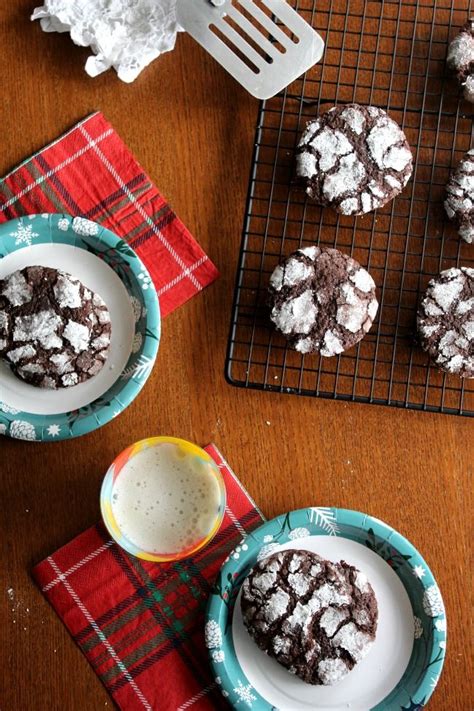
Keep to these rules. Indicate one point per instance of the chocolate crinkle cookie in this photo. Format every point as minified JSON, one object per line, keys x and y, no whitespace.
{"x":460,"y":59}
{"x":459,"y":202}
{"x":446,"y":321}
{"x":54,"y":332}
{"x":354,"y":158}
{"x":322,"y":300}
{"x":316,"y":618}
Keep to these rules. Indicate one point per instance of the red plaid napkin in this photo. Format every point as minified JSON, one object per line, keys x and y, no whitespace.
{"x":140,"y":624}
{"x":90,"y":172}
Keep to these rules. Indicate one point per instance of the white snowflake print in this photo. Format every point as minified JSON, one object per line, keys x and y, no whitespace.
{"x":267,"y":539}
{"x":298,"y":533}
{"x":441,"y":624}
{"x":24,"y":234}
{"x":218,"y":680}
{"x":245,"y":694}
{"x":433,"y":602}
{"x":136,"y":308}
{"x":218,"y":656}
{"x":418,"y":627}
{"x":267,"y":550}
{"x":418,"y":571}
{"x":137,"y":342}
{"x":212,"y":634}
{"x":82,"y":226}
{"x":442,"y":644}
{"x":225,"y":693}
{"x":22,"y":430}
{"x":54,"y":430}
{"x":145,"y":280}
{"x":63,"y":224}
{"x":9,"y":410}
{"x":3,"y":428}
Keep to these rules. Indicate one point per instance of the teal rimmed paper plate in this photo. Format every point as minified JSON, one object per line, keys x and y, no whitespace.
{"x":109,"y":266}
{"x":402,"y":668}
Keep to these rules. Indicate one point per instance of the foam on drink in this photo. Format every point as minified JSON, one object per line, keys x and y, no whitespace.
{"x":166,"y":501}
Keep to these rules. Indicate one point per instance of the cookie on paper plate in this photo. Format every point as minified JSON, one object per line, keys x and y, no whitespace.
{"x":316,"y":618}
{"x":54,"y":332}
{"x":354,"y":159}
{"x":322,"y":300}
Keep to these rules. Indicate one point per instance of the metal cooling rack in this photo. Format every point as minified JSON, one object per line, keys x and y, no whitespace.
{"x":389,"y":53}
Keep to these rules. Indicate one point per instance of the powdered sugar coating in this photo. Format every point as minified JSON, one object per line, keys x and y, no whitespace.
{"x":329,"y":307}
{"x":354,"y":158}
{"x":51,"y":325}
{"x":446,"y":321}
{"x":16,"y":289}
{"x":459,"y":202}
{"x":460,"y":59}
{"x":314,"y":619}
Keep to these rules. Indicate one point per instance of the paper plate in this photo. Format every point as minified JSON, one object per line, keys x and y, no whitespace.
{"x":108,"y":265}
{"x":402,"y":668}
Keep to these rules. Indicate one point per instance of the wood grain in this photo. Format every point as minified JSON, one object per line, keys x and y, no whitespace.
{"x":192,"y":128}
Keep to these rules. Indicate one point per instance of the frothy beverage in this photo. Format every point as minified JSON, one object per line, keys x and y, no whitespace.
{"x":167,"y":498}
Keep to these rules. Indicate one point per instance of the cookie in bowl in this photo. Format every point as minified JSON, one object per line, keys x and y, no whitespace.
{"x":318,"y":619}
{"x":54,"y":331}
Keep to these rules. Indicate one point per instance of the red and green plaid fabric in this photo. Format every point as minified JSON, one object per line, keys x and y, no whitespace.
{"x":90,"y":172}
{"x":141,"y":624}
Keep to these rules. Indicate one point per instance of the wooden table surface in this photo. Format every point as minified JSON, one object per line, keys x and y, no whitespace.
{"x":191,"y":127}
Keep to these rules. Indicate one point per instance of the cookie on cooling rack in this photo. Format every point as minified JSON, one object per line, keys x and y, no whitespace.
{"x":446,"y":321}
{"x":322,"y":300}
{"x":459,"y":202}
{"x":316,"y":618}
{"x":54,"y":332}
{"x":460,"y":59}
{"x":353,"y":158}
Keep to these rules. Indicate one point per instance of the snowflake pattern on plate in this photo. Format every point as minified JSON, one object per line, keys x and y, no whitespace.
{"x":244,"y":693}
{"x":24,"y":234}
{"x":54,"y":430}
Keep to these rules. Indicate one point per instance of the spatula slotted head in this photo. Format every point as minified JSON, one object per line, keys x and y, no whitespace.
{"x":263,"y":44}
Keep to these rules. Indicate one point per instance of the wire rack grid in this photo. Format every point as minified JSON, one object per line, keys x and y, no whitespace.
{"x":392,"y":54}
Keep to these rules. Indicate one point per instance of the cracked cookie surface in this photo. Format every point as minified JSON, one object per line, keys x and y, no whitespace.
{"x":322,"y":300}
{"x":353,"y":158}
{"x":54,"y":332}
{"x":459,"y":202}
{"x":460,"y":59}
{"x":446,"y":321}
{"x":315,"y":617}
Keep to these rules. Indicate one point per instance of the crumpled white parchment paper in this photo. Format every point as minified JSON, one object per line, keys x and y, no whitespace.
{"x":124,"y":34}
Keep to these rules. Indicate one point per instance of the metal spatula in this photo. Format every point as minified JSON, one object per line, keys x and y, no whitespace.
{"x":264,"y":52}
